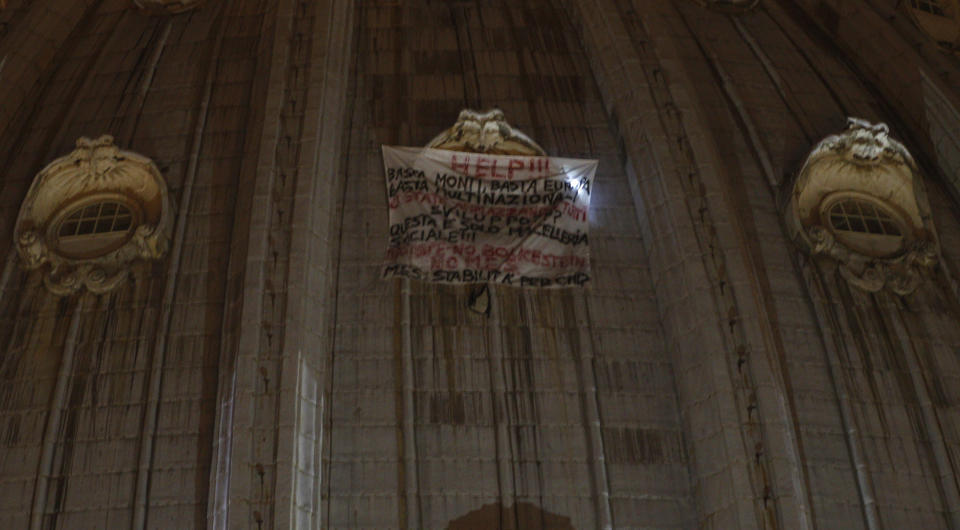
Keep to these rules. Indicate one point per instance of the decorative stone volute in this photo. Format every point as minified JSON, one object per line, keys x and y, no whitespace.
{"x":859,"y":200}
{"x":170,"y":7}
{"x":90,"y":214}
{"x":488,"y":132}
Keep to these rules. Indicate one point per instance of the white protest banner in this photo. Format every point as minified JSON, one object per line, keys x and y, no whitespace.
{"x":459,"y":217}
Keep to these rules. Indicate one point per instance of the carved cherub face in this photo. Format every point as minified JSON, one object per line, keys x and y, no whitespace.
{"x":103,"y":159}
{"x":481,"y":132}
{"x":486,"y":132}
{"x":868,"y":142}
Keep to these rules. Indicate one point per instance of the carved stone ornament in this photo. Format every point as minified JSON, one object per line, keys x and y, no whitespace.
{"x":489,"y":133}
{"x":168,"y":7}
{"x":858,"y":200}
{"x":729,"y":6}
{"x":90,"y":214}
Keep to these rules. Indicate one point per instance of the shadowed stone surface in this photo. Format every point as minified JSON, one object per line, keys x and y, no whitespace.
{"x":262,"y":375}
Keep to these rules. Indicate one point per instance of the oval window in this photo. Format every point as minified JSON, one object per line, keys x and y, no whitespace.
{"x":94,"y":228}
{"x":866,"y":226}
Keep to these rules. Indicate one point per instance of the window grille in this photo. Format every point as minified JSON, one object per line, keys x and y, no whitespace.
{"x":99,"y":218}
{"x":852,"y":215}
{"x":934,"y":7}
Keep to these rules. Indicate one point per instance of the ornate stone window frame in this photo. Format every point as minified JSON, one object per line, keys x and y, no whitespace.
{"x":93,"y":242}
{"x":868,"y":242}
{"x":96,"y":172}
{"x":864,"y":164}
{"x":939,"y":19}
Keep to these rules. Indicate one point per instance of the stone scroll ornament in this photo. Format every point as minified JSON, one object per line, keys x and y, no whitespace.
{"x":483,"y":204}
{"x":859,"y":202}
{"x":89,"y":215}
{"x":167,"y":7}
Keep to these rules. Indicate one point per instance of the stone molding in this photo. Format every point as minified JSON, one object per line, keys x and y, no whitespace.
{"x":864,"y":161}
{"x":167,"y":7}
{"x":730,"y":6}
{"x":943,"y":28}
{"x":486,"y":132}
{"x":96,"y":170}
